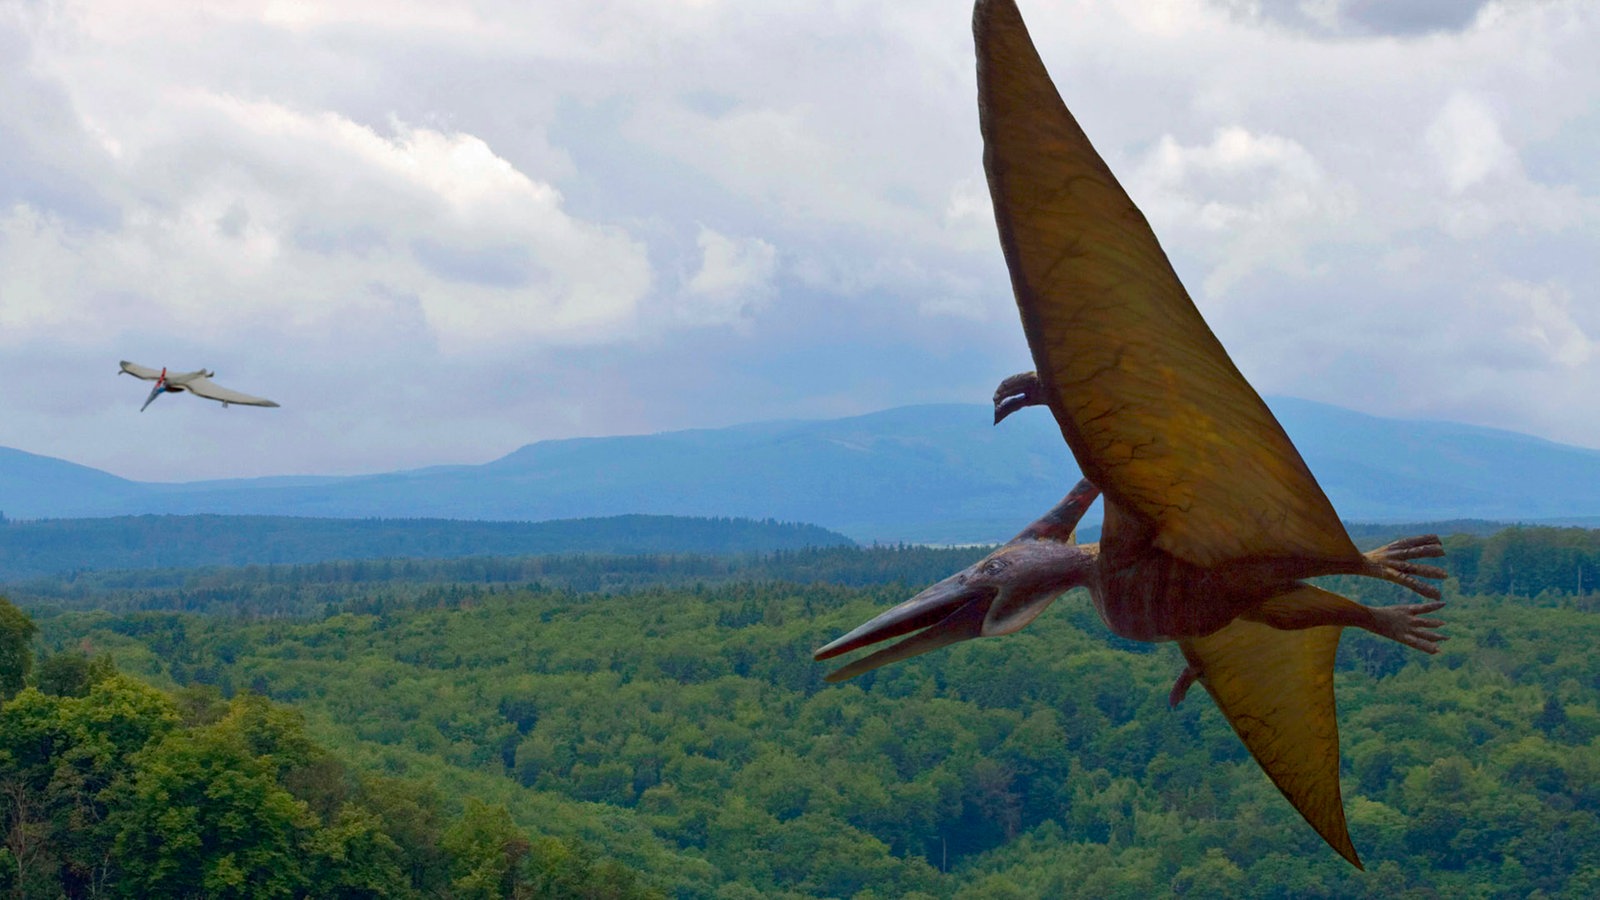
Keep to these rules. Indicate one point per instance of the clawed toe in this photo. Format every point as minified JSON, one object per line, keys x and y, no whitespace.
{"x":1391,"y":562}
{"x":1407,"y":625}
{"x":1420,"y":608}
{"x":1420,"y":570}
{"x":1416,"y":586}
{"x":1423,"y":546}
{"x":1426,"y":641}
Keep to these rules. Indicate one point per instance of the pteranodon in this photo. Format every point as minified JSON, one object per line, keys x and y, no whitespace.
{"x":1212,"y":519}
{"x":198,"y":383}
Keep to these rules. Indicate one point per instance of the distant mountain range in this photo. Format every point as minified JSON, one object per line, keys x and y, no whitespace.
{"x":936,"y":474}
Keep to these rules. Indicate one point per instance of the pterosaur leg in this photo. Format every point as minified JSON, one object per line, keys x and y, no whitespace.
{"x":1309,"y":607}
{"x":1186,"y":680}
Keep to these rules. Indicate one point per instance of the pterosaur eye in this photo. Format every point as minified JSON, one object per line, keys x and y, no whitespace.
{"x":994,"y":566}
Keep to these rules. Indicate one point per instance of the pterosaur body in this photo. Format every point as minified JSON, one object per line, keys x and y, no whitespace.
{"x":1212,"y":519}
{"x":198,"y":383}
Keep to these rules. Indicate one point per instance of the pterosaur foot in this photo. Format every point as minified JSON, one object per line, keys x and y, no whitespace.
{"x":1407,"y":625}
{"x":1392,"y":562}
{"x":1180,"y":688}
{"x":1022,"y":389}
{"x":1422,"y":546}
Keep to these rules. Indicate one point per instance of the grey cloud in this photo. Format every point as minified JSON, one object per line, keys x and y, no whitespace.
{"x":358,"y":240}
{"x":1397,"y":18}
{"x":46,"y":158}
{"x":843,"y":137}
{"x":709,"y":102}
{"x":1411,"y":17}
{"x":501,"y":265}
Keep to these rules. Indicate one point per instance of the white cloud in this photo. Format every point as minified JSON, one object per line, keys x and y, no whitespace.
{"x":1547,"y":323}
{"x":969,"y":215}
{"x":1263,"y":197}
{"x":735,"y":278}
{"x":543,"y":207}
{"x":1465,"y":138}
{"x":239,"y":214}
{"x":1485,"y":181}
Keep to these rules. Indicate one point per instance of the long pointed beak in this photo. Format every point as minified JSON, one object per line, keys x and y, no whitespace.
{"x":950,"y":611}
{"x":963,"y":624}
{"x":154,"y":393}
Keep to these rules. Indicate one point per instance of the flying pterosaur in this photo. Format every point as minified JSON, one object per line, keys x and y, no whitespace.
{"x":198,"y":383}
{"x":1212,"y":519}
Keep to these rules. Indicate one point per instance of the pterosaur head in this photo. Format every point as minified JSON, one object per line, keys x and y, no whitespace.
{"x":998,"y":594}
{"x":1022,"y":389}
{"x":161,"y":385}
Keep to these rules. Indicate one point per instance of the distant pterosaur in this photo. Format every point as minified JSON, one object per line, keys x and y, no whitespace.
{"x":1212,"y":519}
{"x":198,"y":383}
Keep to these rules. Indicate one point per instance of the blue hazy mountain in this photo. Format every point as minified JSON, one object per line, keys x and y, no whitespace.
{"x":33,"y":486}
{"x":937,"y":473}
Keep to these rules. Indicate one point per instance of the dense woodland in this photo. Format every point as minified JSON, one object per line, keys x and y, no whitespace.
{"x":57,"y":547}
{"x":113,"y":788}
{"x":664,"y":729}
{"x":376,"y":585}
{"x":1560,"y":561}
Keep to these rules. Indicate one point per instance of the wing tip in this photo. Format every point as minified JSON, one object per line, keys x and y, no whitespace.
{"x":1349,"y":853}
{"x":1229,"y":661}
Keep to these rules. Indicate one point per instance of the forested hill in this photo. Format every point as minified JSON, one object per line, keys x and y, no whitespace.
{"x":682,"y":738}
{"x":113,"y":788}
{"x":60,"y":546}
{"x":1527,"y":563}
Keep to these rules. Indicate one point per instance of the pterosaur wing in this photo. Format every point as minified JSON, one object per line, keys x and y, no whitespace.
{"x":1156,"y":413}
{"x":138,"y":371}
{"x":1276,"y":689}
{"x":201,"y":386}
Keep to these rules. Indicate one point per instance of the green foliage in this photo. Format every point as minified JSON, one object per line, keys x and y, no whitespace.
{"x":1529,"y":562}
{"x":205,"y":816}
{"x":52,"y":547}
{"x":16,"y":630}
{"x":122,"y":790}
{"x":377,"y":586}
{"x":71,"y":673}
{"x":681,"y":729}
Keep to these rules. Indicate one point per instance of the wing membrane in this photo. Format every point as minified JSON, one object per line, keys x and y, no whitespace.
{"x":1276,"y":689}
{"x":138,"y":371}
{"x":202,"y":386}
{"x":1152,"y":407}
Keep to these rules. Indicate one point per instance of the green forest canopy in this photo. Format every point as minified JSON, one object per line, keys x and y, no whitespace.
{"x":110,"y":787}
{"x":57,"y":547}
{"x":676,"y":727}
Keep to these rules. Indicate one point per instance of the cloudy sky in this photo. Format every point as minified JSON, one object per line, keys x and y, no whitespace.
{"x":437,"y":231}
